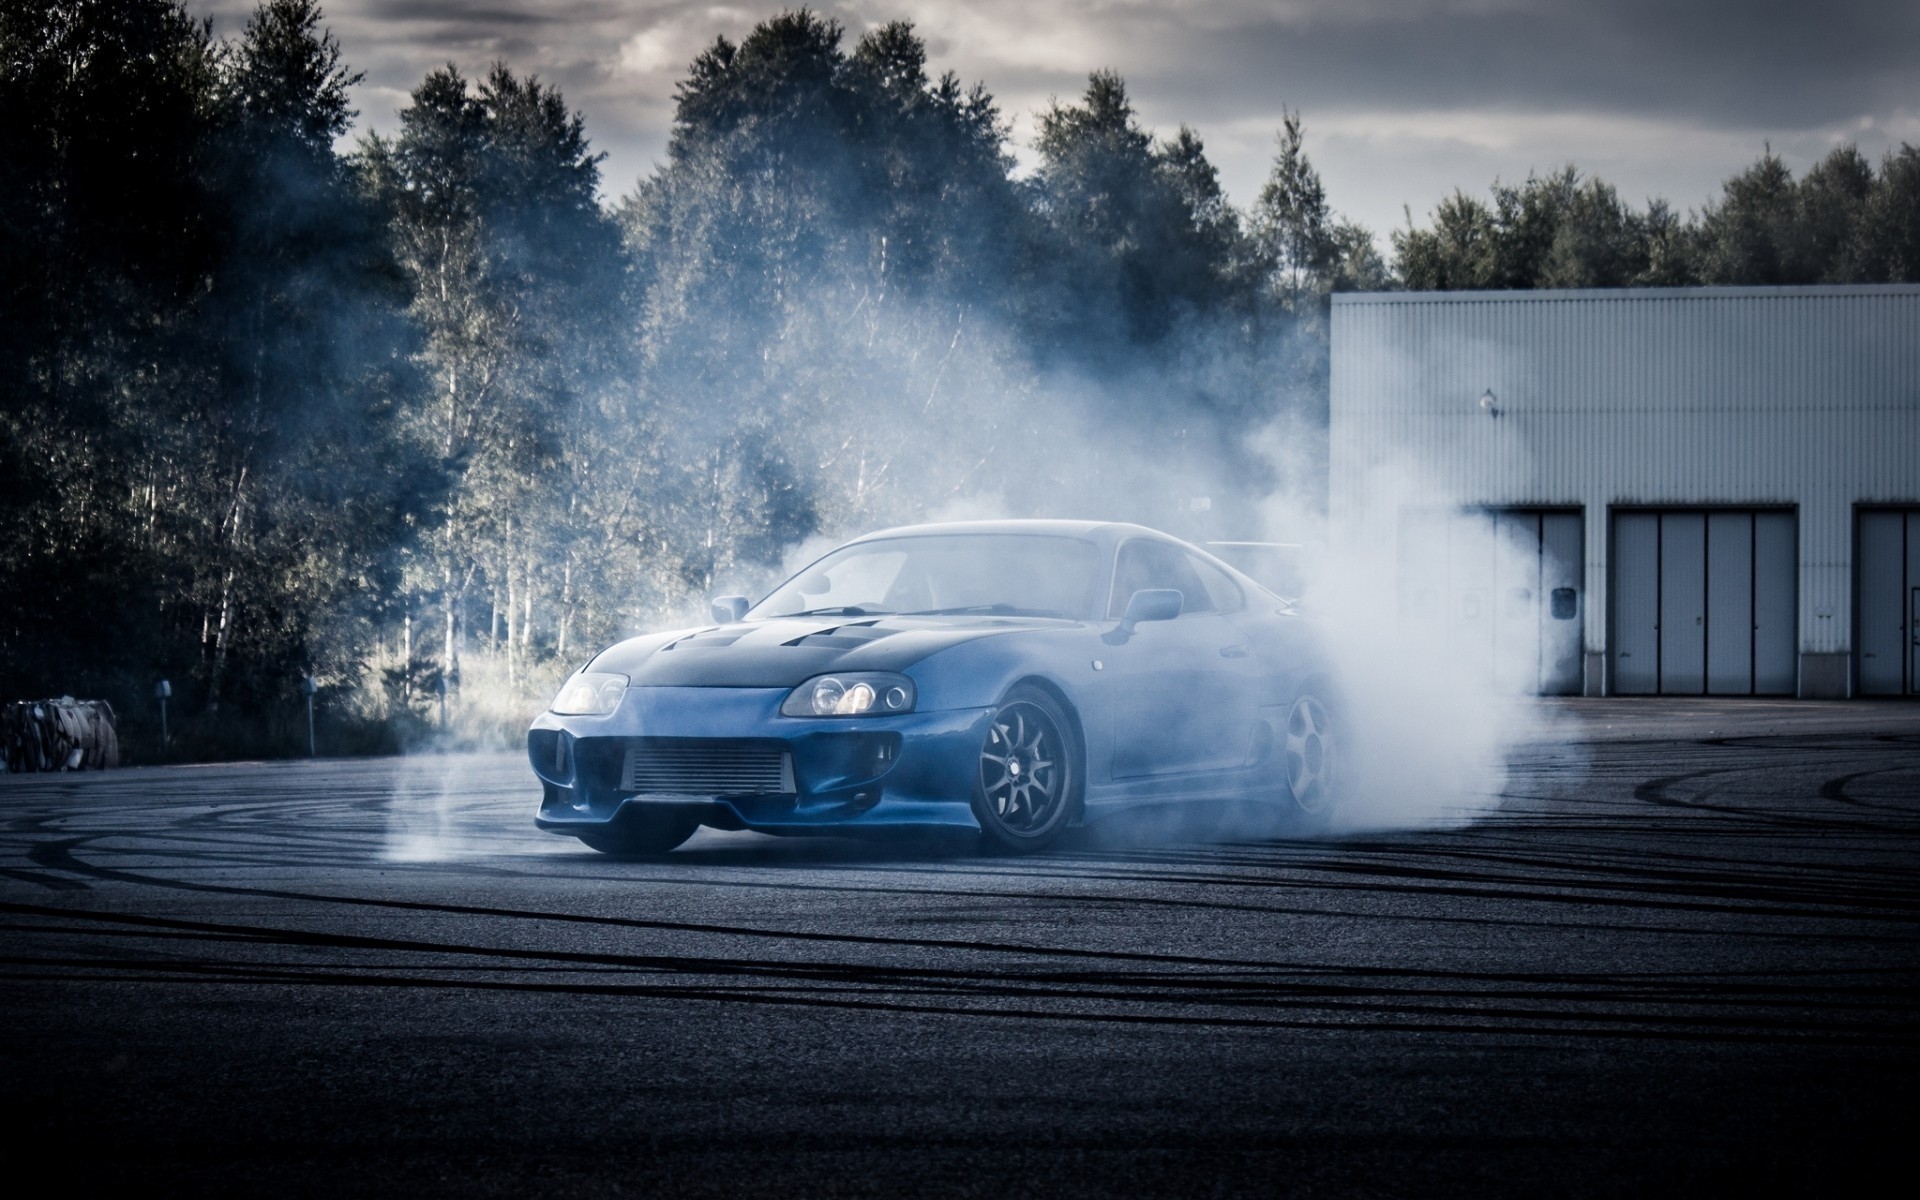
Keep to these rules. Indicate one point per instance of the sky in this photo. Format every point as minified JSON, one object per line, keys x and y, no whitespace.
{"x":1404,"y":101}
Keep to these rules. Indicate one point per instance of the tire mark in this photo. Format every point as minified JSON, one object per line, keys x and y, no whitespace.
{"x":1398,"y":1018}
{"x":1766,"y":902}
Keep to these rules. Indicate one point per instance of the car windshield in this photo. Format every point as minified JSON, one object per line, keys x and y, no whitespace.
{"x":1014,"y":574}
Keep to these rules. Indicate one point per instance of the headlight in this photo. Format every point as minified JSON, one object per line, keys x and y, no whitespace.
{"x":855,"y":694}
{"x":590,"y":694}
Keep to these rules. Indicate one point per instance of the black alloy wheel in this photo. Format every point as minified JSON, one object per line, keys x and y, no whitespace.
{"x":1312,"y":757}
{"x":642,"y":834}
{"x":1029,"y":778}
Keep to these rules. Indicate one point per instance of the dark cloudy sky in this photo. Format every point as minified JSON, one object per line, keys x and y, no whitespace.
{"x":1404,"y":100}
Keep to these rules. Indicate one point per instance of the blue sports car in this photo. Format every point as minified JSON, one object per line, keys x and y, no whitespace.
{"x":1015,"y":677}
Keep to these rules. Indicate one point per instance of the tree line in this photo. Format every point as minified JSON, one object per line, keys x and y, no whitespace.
{"x":1843,"y":221}
{"x":421,"y":417}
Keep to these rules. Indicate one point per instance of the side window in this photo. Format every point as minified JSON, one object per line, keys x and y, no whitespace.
{"x":1226,"y":594}
{"x":1145,"y":565}
{"x":1130,"y":575}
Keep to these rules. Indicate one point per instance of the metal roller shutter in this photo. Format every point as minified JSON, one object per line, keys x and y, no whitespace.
{"x":1887,"y":602}
{"x":1704,"y":603}
{"x":1501,"y":590}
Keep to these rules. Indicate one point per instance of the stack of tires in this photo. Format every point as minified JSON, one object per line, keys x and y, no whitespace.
{"x":59,"y":735}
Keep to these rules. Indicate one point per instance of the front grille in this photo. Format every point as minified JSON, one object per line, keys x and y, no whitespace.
{"x":707,"y":767}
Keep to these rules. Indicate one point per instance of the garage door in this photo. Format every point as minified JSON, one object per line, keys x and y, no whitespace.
{"x":1501,"y":589}
{"x":1703,"y":603}
{"x":1887,"y":594}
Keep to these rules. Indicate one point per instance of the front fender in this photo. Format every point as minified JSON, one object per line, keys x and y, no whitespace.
{"x":976,"y":674}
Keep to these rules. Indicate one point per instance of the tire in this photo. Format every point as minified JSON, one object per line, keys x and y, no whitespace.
{"x":1027,"y":786}
{"x":1313,"y":750}
{"x":642,"y":835}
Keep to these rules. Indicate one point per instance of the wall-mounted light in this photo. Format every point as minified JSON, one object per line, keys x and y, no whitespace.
{"x":1488,"y":404}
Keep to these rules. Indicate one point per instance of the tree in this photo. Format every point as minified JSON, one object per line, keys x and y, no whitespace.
{"x":826,"y":255}
{"x":1825,"y":243}
{"x":1354,"y":261}
{"x":516,"y":283}
{"x":1151,"y":291}
{"x":1292,"y":222}
{"x":1196,"y":185}
{"x":202,"y":340}
{"x":1744,"y":238}
{"x":105,"y":113}
{"x":1560,"y":230}
{"x":1597,"y":241}
{"x":1304,"y":249}
{"x":1670,"y":248}
{"x":1890,"y":226}
{"x":1139,"y":246}
{"x":300,"y":328}
{"x":1457,"y":253}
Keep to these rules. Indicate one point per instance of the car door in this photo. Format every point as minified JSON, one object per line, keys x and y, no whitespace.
{"x":1182,"y":691}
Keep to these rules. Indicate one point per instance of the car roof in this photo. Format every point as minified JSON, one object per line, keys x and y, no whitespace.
{"x":1103,"y":532}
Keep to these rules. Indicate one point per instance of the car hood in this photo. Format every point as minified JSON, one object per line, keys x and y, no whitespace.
{"x":786,"y":651}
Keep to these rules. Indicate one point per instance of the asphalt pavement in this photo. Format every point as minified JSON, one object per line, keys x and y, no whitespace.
{"x":1681,"y":952}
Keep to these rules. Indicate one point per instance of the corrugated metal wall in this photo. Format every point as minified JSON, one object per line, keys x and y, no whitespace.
{"x":1756,"y":397}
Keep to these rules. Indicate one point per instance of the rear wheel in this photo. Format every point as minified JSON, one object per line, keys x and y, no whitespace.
{"x":1313,"y":757}
{"x":1028,"y":780}
{"x":642,"y":834}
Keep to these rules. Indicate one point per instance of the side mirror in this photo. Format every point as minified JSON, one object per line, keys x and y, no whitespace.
{"x":728,"y":609}
{"x":1152,"y":604}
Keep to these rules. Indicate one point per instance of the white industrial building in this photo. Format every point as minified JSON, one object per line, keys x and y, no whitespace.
{"x":1717,"y":489}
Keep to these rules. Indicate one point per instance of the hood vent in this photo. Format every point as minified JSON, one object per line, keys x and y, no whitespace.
{"x":840,"y":637}
{"x":704,"y":641}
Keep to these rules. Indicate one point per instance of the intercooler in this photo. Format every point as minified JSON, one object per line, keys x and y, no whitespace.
{"x":706,"y":767}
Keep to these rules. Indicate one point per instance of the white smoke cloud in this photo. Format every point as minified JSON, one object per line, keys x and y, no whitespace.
{"x":1434,"y":722}
{"x":446,"y":808}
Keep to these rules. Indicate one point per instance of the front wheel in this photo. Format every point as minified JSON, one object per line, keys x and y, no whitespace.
{"x":1313,"y":756}
{"x":642,"y":835}
{"x":1028,"y":780}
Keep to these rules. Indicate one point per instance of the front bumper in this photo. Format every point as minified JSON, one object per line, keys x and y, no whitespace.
{"x":845,"y":773}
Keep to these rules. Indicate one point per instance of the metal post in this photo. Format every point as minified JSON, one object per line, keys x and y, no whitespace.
{"x":161,"y":691}
{"x":308,"y":687}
